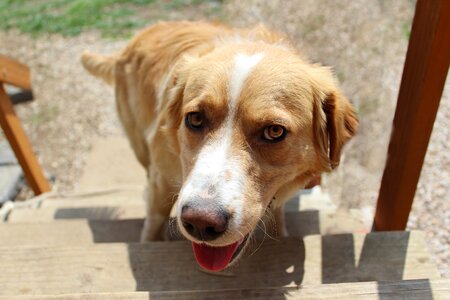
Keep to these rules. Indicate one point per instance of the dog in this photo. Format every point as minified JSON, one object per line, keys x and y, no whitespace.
{"x":228,"y":122}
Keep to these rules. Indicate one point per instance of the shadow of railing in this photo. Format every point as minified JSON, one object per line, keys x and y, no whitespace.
{"x":413,"y":289}
{"x":266,"y":263}
{"x":118,"y":231}
{"x":91,"y":213}
{"x":382,"y":259}
{"x":273,"y":264}
{"x":261,"y":269}
{"x":340,"y":263}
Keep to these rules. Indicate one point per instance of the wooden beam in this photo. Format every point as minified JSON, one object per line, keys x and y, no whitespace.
{"x":20,"y":145}
{"x":424,"y":75}
{"x":14,"y":73}
{"x":406,"y":289}
{"x":286,"y":262}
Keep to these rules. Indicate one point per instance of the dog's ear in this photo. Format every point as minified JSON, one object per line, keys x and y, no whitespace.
{"x":175,"y":105}
{"x":176,"y":95}
{"x":172,"y":118}
{"x":100,"y":66}
{"x":335,"y":122}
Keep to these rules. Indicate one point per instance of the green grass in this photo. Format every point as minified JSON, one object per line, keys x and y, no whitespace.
{"x":71,"y":17}
{"x":406,"y":28}
{"x":45,"y":114}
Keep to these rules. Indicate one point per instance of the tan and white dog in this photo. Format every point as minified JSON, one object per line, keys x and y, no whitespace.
{"x":230,"y":120}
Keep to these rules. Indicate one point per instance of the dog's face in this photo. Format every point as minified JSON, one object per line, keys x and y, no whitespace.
{"x":249,"y":121}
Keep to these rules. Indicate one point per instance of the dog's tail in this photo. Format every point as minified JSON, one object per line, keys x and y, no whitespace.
{"x":100,"y":66}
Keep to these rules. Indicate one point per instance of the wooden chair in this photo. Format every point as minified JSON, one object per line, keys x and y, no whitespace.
{"x":14,"y":73}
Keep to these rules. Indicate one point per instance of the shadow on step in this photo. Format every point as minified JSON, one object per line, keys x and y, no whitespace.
{"x":287,"y":263}
{"x":98,"y":213}
{"x":117,"y":231}
{"x":274,"y":264}
{"x":375,"y":257}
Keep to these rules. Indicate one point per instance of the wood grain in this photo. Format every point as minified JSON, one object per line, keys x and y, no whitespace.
{"x":408,"y":289}
{"x":14,"y":73}
{"x":159,"y":266}
{"x":18,"y":140}
{"x":81,"y":231}
{"x":424,"y":75}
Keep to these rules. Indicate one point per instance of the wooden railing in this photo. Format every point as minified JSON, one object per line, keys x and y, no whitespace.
{"x":14,"y":73}
{"x":423,"y":80}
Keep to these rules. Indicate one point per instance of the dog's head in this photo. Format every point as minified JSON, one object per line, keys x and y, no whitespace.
{"x":250,"y":122}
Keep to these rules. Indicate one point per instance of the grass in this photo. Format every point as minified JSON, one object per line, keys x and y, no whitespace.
{"x":71,"y":17}
{"x":45,"y":115}
{"x":406,"y":28}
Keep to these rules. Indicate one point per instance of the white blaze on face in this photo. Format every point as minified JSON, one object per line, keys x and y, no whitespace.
{"x":242,"y":67}
{"x":215,"y":158}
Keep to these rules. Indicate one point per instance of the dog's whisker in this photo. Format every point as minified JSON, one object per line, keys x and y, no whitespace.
{"x":259,"y":246}
{"x":266,"y":233}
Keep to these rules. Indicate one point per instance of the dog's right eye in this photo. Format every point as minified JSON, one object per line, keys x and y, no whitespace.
{"x":194,"y":120}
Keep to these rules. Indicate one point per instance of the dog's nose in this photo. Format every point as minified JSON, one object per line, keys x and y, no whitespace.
{"x":204,"y":223}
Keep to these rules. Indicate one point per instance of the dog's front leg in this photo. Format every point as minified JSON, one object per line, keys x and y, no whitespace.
{"x":159,"y":198}
{"x":278,"y":213}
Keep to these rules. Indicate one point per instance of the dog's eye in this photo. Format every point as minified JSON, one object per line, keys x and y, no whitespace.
{"x":194,"y":120}
{"x":274,"y":133}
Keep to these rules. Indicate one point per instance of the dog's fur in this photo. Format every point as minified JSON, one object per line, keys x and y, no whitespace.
{"x":241,"y":81}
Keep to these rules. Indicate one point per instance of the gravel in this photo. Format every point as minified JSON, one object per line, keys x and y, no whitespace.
{"x":365,"y":42}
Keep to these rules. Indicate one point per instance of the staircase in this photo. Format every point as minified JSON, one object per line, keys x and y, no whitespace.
{"x":85,"y":246}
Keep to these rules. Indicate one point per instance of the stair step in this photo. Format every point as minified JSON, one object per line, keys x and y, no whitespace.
{"x":310,"y":199}
{"x":111,"y":163}
{"x":46,"y":214}
{"x":287,"y":262}
{"x":406,"y":289}
{"x":121,"y":196}
{"x":93,"y":225}
{"x":71,"y":232}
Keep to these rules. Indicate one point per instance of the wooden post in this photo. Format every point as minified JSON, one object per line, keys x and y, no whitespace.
{"x":17,"y":74}
{"x":423,"y":80}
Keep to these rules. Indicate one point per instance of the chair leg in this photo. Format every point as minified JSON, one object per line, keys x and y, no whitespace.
{"x":19,"y":143}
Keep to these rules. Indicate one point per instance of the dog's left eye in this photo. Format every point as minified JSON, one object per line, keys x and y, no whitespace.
{"x":274,"y":133}
{"x":194,"y":120}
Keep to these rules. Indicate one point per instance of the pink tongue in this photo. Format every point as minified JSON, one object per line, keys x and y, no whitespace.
{"x":214,"y":258}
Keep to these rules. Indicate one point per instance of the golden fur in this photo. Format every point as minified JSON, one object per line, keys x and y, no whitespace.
{"x":174,"y":68}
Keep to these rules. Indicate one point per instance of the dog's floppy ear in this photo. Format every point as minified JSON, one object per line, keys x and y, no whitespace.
{"x":100,"y":66}
{"x":176,"y":102}
{"x":179,"y":81}
{"x":335,"y":122}
{"x":172,"y":118}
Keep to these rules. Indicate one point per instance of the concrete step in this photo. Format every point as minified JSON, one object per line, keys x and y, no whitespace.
{"x":82,"y":231}
{"x":170,"y":266}
{"x":407,"y":289}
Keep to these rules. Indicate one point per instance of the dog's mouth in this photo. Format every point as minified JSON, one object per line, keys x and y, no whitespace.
{"x":217,"y":258}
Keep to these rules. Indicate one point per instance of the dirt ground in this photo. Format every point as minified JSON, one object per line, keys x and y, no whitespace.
{"x":364,"y":41}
